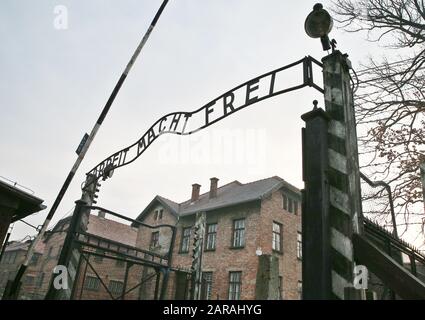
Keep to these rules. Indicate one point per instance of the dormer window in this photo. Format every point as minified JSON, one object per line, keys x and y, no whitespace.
{"x":289,"y":204}
{"x":158,"y":214}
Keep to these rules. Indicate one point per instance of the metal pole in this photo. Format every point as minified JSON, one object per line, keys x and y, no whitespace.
{"x":158,"y":278}
{"x":128,"y":265}
{"x":86,"y":146}
{"x":4,"y":245}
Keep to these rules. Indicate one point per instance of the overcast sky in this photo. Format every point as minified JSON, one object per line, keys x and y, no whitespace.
{"x":54,"y":83}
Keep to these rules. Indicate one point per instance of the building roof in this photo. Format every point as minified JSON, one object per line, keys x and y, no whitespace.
{"x":17,"y":245}
{"x":102,"y":227}
{"x":24,"y":203}
{"x":231,"y":194}
{"x":112,"y":230}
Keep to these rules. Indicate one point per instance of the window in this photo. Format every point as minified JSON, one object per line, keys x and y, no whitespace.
{"x":235,"y":285}
{"x":116,"y":287}
{"x":49,"y":253}
{"x":299,"y":246}
{"x":300,"y":289}
{"x":92,"y":283}
{"x":185,"y":243}
{"x":277,"y":237}
{"x":155,"y":239}
{"x":158,"y":214}
{"x":289,"y":204}
{"x":10,"y":257}
{"x":238,"y":233}
{"x":35,"y":258}
{"x":211,"y":236}
{"x":280,"y":287}
{"x":285,"y":201}
{"x":40,"y":280}
{"x":206,"y":286}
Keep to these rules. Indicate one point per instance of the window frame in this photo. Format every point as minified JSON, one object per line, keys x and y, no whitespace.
{"x":235,"y":294}
{"x":35,"y":258}
{"x":290,"y":205}
{"x":284,"y":201}
{"x":280,"y":234}
{"x":114,"y":291}
{"x":88,"y":285}
{"x":213,"y":235}
{"x":236,"y":231}
{"x":184,"y":238}
{"x":207,"y":285}
{"x":154,"y":240}
{"x":29,"y":280}
{"x":299,"y":245}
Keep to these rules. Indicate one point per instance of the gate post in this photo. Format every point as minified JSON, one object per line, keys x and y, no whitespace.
{"x":343,"y":170}
{"x":71,"y":252}
{"x":316,"y":267}
{"x":332,"y":198}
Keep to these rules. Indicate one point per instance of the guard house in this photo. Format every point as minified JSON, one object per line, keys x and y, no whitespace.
{"x":15,"y":204}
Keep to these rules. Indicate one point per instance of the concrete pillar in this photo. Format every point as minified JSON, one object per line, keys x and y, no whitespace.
{"x":343,"y":171}
{"x":316,"y":263}
{"x":331,"y":197}
{"x":267,"y":282}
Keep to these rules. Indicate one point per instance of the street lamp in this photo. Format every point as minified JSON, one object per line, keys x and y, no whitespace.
{"x":318,"y":24}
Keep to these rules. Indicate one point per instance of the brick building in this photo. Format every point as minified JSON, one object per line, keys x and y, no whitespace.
{"x":38,"y":275}
{"x":245,"y":224}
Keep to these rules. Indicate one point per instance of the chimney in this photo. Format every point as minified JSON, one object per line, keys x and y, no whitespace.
{"x":101,"y":214}
{"x":195,"y":192}
{"x":213,"y":188}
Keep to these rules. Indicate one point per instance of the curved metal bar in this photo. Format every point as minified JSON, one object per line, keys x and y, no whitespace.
{"x":212,"y":112}
{"x":387,"y":188}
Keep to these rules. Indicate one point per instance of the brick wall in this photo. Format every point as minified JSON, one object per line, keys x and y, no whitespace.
{"x":259,"y":217}
{"x":290,"y":266}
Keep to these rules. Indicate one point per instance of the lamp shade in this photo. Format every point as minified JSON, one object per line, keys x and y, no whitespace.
{"x":318,"y":23}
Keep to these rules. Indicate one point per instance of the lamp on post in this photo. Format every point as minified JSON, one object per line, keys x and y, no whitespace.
{"x":318,"y":24}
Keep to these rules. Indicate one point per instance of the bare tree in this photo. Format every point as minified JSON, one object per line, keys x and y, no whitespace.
{"x":390,"y":97}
